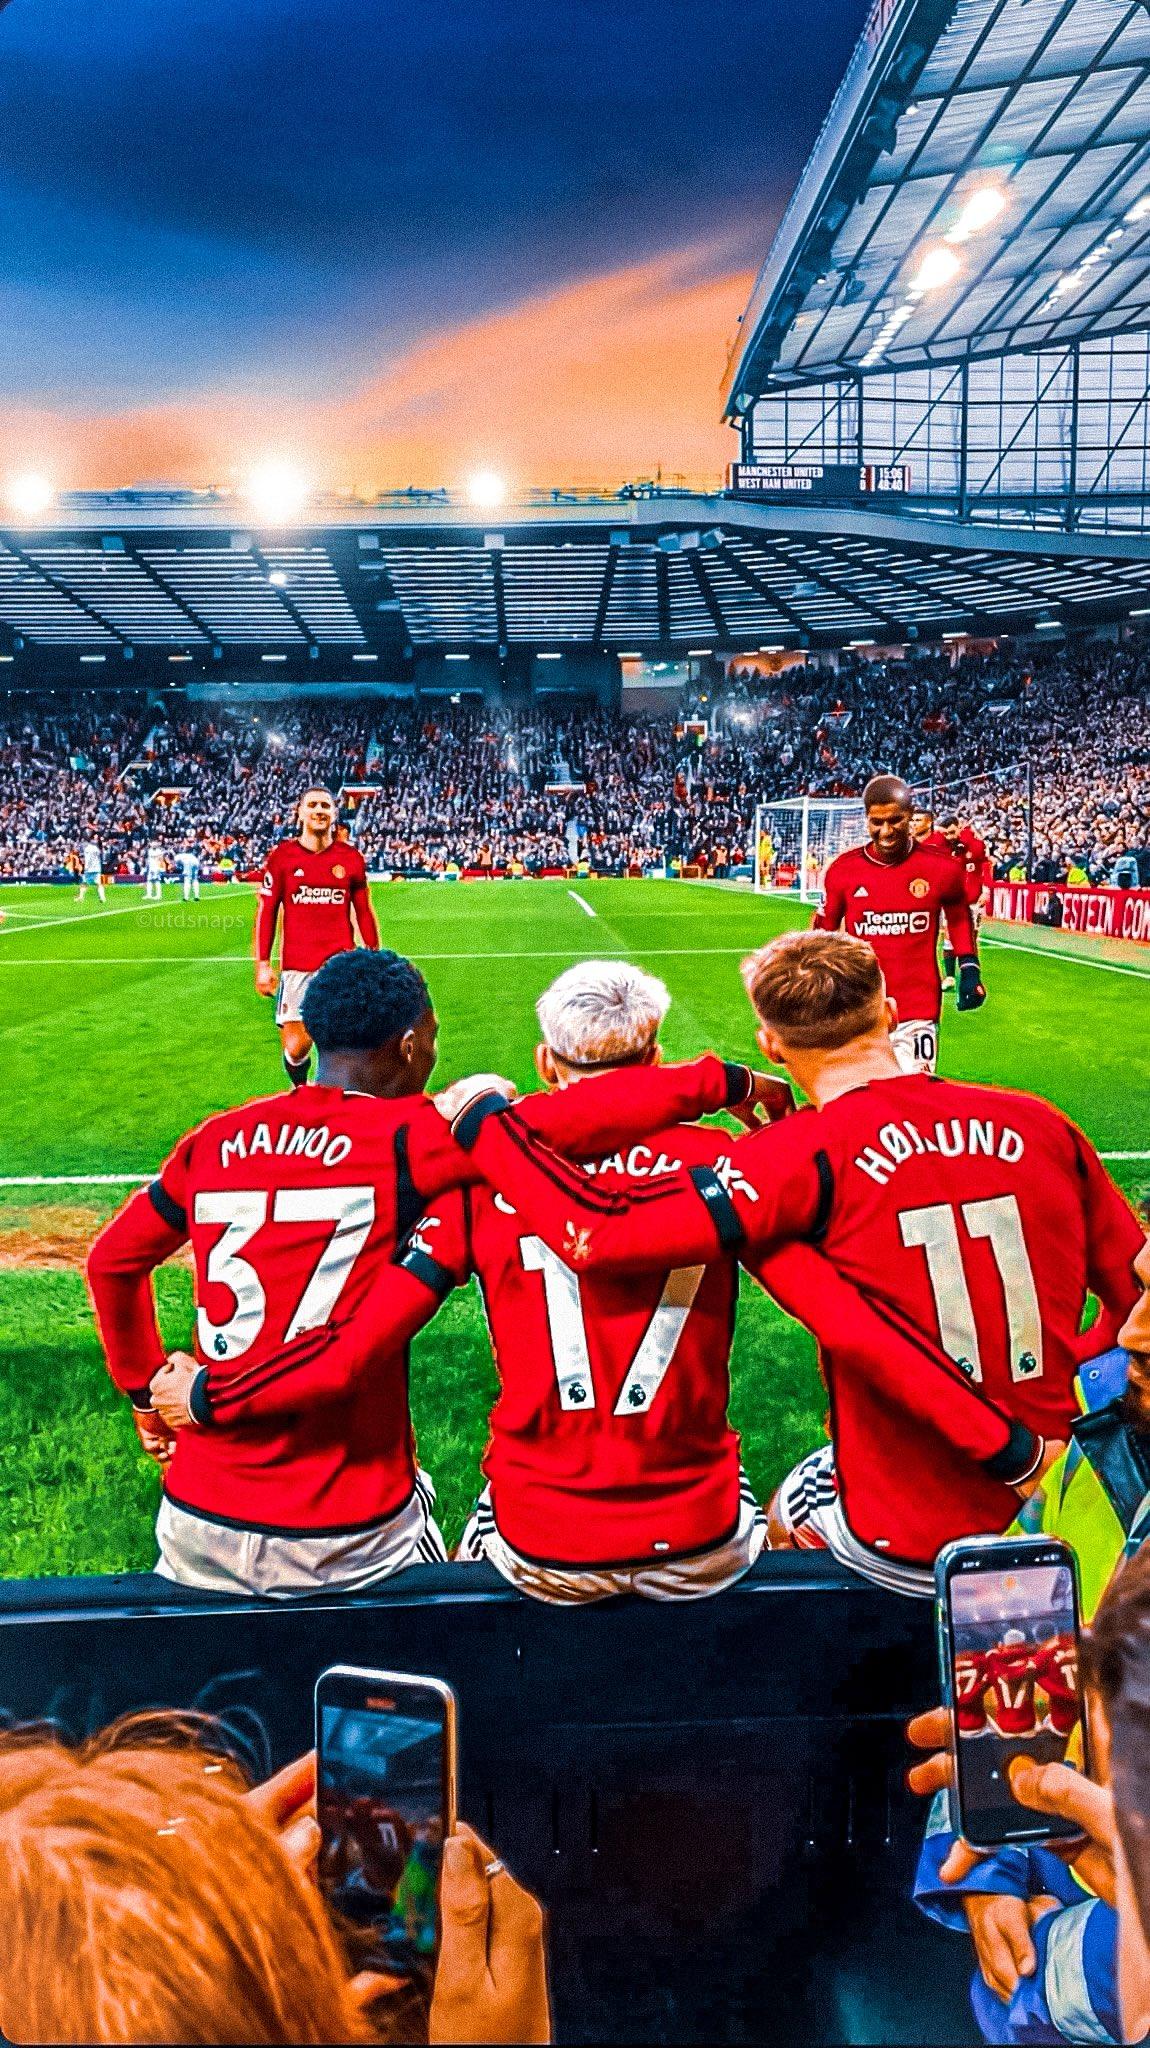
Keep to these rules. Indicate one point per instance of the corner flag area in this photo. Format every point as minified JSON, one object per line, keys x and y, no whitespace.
{"x":123,"y":1024}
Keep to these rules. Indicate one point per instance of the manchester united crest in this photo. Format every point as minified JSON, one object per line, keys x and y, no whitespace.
{"x":919,"y":887}
{"x":339,"y":873}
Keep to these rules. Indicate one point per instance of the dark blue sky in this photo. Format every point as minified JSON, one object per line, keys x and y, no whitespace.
{"x":222,"y":196}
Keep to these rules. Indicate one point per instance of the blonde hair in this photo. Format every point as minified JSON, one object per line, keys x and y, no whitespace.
{"x":817,"y":990}
{"x":601,"y":1012}
{"x":144,"y":1899}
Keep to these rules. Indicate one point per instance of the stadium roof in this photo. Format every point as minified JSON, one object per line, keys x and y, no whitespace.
{"x":182,"y":579}
{"x":981,"y":184}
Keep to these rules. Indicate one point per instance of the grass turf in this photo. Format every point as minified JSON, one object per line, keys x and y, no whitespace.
{"x":122,"y":1025}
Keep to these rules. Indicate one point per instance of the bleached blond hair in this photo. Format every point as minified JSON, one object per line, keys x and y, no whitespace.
{"x":602,"y":1011}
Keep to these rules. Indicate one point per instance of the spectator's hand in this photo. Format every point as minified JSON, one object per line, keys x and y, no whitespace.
{"x":266,"y":978}
{"x":770,"y":1099}
{"x":1056,"y":1789}
{"x":1000,"y":1927}
{"x":155,"y":1436}
{"x":491,"y":1979}
{"x":286,"y":1804}
{"x":171,"y":1387}
{"x":931,"y":1731}
{"x":451,"y":1102}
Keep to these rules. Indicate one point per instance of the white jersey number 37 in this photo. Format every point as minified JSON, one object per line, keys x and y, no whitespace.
{"x":243,"y":1212}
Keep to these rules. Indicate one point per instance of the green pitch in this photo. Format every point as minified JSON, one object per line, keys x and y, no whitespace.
{"x":121,"y":1026}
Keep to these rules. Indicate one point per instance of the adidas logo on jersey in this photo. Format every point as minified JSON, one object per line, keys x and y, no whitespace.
{"x":861,"y":891}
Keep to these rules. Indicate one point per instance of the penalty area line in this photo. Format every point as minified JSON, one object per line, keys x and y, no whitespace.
{"x":584,"y":906}
{"x":80,"y":917}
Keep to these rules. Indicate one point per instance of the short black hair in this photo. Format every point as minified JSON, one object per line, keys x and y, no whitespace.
{"x":951,"y":820}
{"x":361,"y":1000}
{"x":887,"y":789}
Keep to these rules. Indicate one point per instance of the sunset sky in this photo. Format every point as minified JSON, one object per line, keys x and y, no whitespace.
{"x":390,"y":242}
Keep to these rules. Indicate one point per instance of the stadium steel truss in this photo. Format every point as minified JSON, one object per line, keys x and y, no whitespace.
{"x":364,"y":592}
{"x":961,"y":282}
{"x":942,"y":378}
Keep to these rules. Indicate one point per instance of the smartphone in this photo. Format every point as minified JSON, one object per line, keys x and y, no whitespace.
{"x":1008,"y":1637}
{"x":385,"y":1800}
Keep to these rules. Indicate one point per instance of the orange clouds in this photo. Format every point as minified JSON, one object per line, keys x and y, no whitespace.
{"x":611,"y":378}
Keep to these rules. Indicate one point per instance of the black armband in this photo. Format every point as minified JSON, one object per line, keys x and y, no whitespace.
{"x":470,"y":1121}
{"x":720,"y":1207}
{"x":740,"y":1082}
{"x":423,"y":1267}
{"x":200,"y":1400}
{"x":1019,"y":1458}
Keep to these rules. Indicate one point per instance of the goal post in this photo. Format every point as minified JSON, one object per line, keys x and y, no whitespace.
{"x":797,"y":837}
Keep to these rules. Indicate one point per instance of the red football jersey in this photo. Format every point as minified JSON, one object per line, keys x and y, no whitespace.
{"x":970,"y":1692}
{"x":1056,"y":1664}
{"x":609,"y":1440}
{"x":897,"y":907}
{"x":294,"y":1205}
{"x":970,"y":851}
{"x":1010,"y":1671}
{"x":315,"y":893}
{"x":934,"y":842}
{"x":974,"y":1217}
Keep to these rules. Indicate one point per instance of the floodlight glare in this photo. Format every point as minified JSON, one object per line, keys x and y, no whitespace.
{"x":277,"y":579}
{"x":487,"y":488}
{"x":277,"y":491}
{"x":981,"y":210}
{"x":29,"y":495}
{"x":938,"y":267}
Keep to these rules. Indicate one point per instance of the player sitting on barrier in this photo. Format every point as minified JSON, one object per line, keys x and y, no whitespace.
{"x":970,"y":1217}
{"x":294,"y":1204}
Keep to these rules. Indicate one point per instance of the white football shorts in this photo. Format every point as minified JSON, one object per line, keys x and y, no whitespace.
{"x":220,"y":1559}
{"x":916,"y":1046}
{"x":293,"y":987}
{"x":808,"y":1506}
{"x":679,"y":1578}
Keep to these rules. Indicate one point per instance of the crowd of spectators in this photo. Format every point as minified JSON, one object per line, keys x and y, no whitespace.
{"x":436,"y":786}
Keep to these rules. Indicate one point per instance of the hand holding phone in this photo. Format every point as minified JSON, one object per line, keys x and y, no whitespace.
{"x":1008,"y":1631}
{"x":386,"y":1803}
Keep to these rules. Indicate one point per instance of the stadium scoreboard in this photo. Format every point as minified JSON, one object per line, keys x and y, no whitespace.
{"x":822,"y":480}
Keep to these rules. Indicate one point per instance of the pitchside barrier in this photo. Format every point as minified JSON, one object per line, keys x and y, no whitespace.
{"x":1107,"y":913}
{"x":708,"y":1797}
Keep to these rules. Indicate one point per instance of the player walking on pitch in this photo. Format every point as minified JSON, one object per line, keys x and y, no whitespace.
{"x":964,"y":846}
{"x":893,"y":893}
{"x":92,"y":874}
{"x":318,"y":884}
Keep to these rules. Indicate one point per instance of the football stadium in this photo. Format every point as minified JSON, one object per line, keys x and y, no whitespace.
{"x":317,"y":802}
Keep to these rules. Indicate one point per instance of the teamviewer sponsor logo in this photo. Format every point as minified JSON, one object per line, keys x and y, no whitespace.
{"x":312,"y":896}
{"x":892,"y":924}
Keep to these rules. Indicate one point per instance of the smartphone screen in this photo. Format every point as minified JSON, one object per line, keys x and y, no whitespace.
{"x":1009,"y":1616}
{"x":385,"y":1801}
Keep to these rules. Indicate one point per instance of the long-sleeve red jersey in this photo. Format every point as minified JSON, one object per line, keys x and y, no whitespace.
{"x":315,"y":893}
{"x":973,"y":1218}
{"x":896,"y":907}
{"x":293,"y":1204}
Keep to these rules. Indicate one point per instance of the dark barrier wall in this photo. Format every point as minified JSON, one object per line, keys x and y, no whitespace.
{"x":708,"y":1797}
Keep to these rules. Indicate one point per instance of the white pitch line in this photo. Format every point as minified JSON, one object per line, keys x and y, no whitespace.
{"x":582,"y":902}
{"x":75,"y":1180}
{"x":1076,"y":959}
{"x":245,"y":959}
{"x":81,"y":917}
{"x":118,"y":1180}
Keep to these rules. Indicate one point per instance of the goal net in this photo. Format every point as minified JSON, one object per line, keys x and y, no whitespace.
{"x":797,"y":837}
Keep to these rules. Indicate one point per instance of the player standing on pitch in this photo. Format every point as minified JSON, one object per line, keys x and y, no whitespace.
{"x":319,"y":884}
{"x":964,"y":845}
{"x":893,"y":894}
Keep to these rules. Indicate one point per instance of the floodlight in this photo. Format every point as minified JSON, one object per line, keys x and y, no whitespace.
{"x":981,"y":209}
{"x":29,"y":495}
{"x":487,"y":488}
{"x":277,"y":579}
{"x":938,"y":267}
{"x":276,"y":491}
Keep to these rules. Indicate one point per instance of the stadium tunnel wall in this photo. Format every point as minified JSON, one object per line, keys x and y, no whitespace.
{"x":709,"y":1797}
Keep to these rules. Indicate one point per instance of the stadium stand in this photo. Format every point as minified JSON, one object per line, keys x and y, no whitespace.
{"x":470,"y":784}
